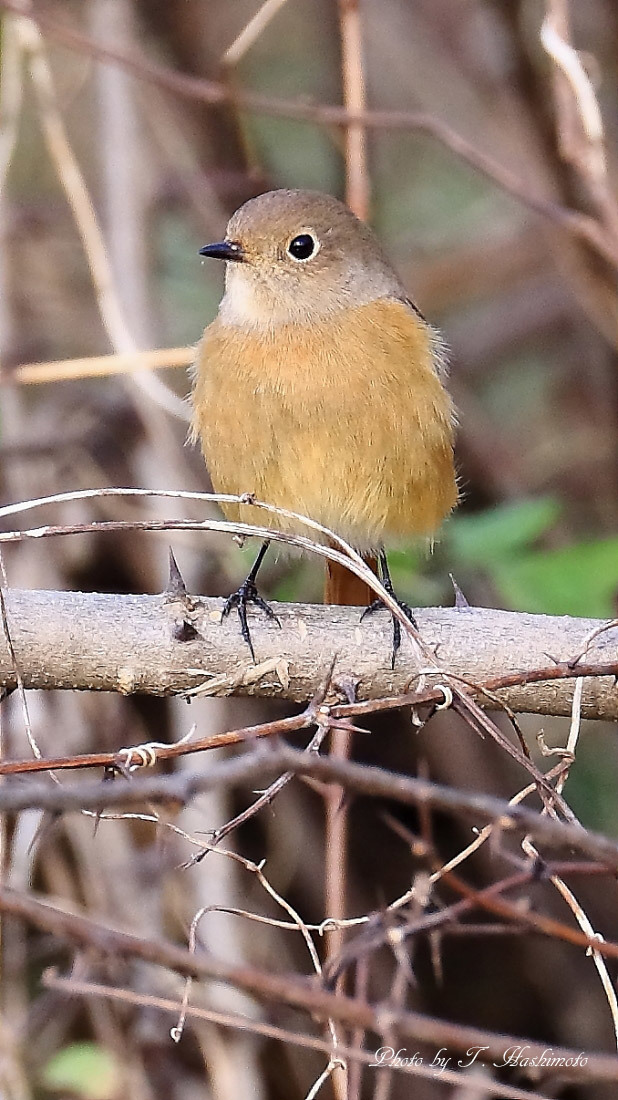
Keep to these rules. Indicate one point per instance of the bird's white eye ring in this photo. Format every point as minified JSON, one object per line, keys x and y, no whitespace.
{"x":303,"y":246}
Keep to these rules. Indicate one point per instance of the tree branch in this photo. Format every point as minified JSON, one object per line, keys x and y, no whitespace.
{"x":213,"y":92}
{"x":73,"y":927}
{"x":259,"y":765}
{"x":170,"y":644}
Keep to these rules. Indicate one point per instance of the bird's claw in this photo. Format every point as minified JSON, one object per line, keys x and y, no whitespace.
{"x":242,"y":598}
{"x":377,"y":605}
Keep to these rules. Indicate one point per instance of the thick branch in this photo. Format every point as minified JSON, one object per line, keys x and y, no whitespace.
{"x":163,"y":645}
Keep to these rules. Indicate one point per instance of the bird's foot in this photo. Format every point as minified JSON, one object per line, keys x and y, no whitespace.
{"x":377,"y":605}
{"x":244,"y":597}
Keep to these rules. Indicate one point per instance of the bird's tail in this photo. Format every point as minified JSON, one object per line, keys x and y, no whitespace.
{"x":345,"y":588}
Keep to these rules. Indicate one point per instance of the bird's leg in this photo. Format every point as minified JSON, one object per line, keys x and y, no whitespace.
{"x":248,"y":594}
{"x":377,"y":604}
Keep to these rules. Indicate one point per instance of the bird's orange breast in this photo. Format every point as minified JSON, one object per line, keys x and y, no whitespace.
{"x":346,"y":421}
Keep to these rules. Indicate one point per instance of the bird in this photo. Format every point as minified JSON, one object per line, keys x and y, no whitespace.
{"x":321,"y":388}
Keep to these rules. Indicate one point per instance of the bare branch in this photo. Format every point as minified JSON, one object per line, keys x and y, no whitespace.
{"x":212,"y":92}
{"x":358,"y":187}
{"x":74,"y":987}
{"x":287,"y":989}
{"x":98,"y":366}
{"x":375,"y":782}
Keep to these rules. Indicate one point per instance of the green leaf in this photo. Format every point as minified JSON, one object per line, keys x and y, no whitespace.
{"x":491,"y":536}
{"x":592,"y":784}
{"x":83,"y":1069}
{"x":576,"y":580}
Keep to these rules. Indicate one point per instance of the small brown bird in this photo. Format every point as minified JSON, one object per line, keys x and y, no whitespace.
{"x":320,"y":387}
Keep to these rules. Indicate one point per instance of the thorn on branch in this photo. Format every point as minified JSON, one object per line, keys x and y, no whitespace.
{"x":461,"y":602}
{"x":347,"y":685}
{"x":175,"y":585}
{"x":183,"y":628}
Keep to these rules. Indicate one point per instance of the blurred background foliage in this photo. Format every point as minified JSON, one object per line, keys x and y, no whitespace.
{"x":530,"y":315}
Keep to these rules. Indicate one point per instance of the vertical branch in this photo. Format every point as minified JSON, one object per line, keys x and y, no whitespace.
{"x":579,"y":124}
{"x":357,"y":194}
{"x":11,"y":96}
{"x":357,"y":187}
{"x":121,"y":155}
{"x":357,"y":1039}
{"x":78,"y":197}
{"x":357,"y":198}
{"x":75,"y":189}
{"x":123,"y":166}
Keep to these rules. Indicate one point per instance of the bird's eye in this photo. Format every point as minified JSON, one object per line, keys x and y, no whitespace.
{"x":303,"y":247}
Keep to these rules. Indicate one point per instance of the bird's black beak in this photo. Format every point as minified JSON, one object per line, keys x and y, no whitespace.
{"x":224,"y":250}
